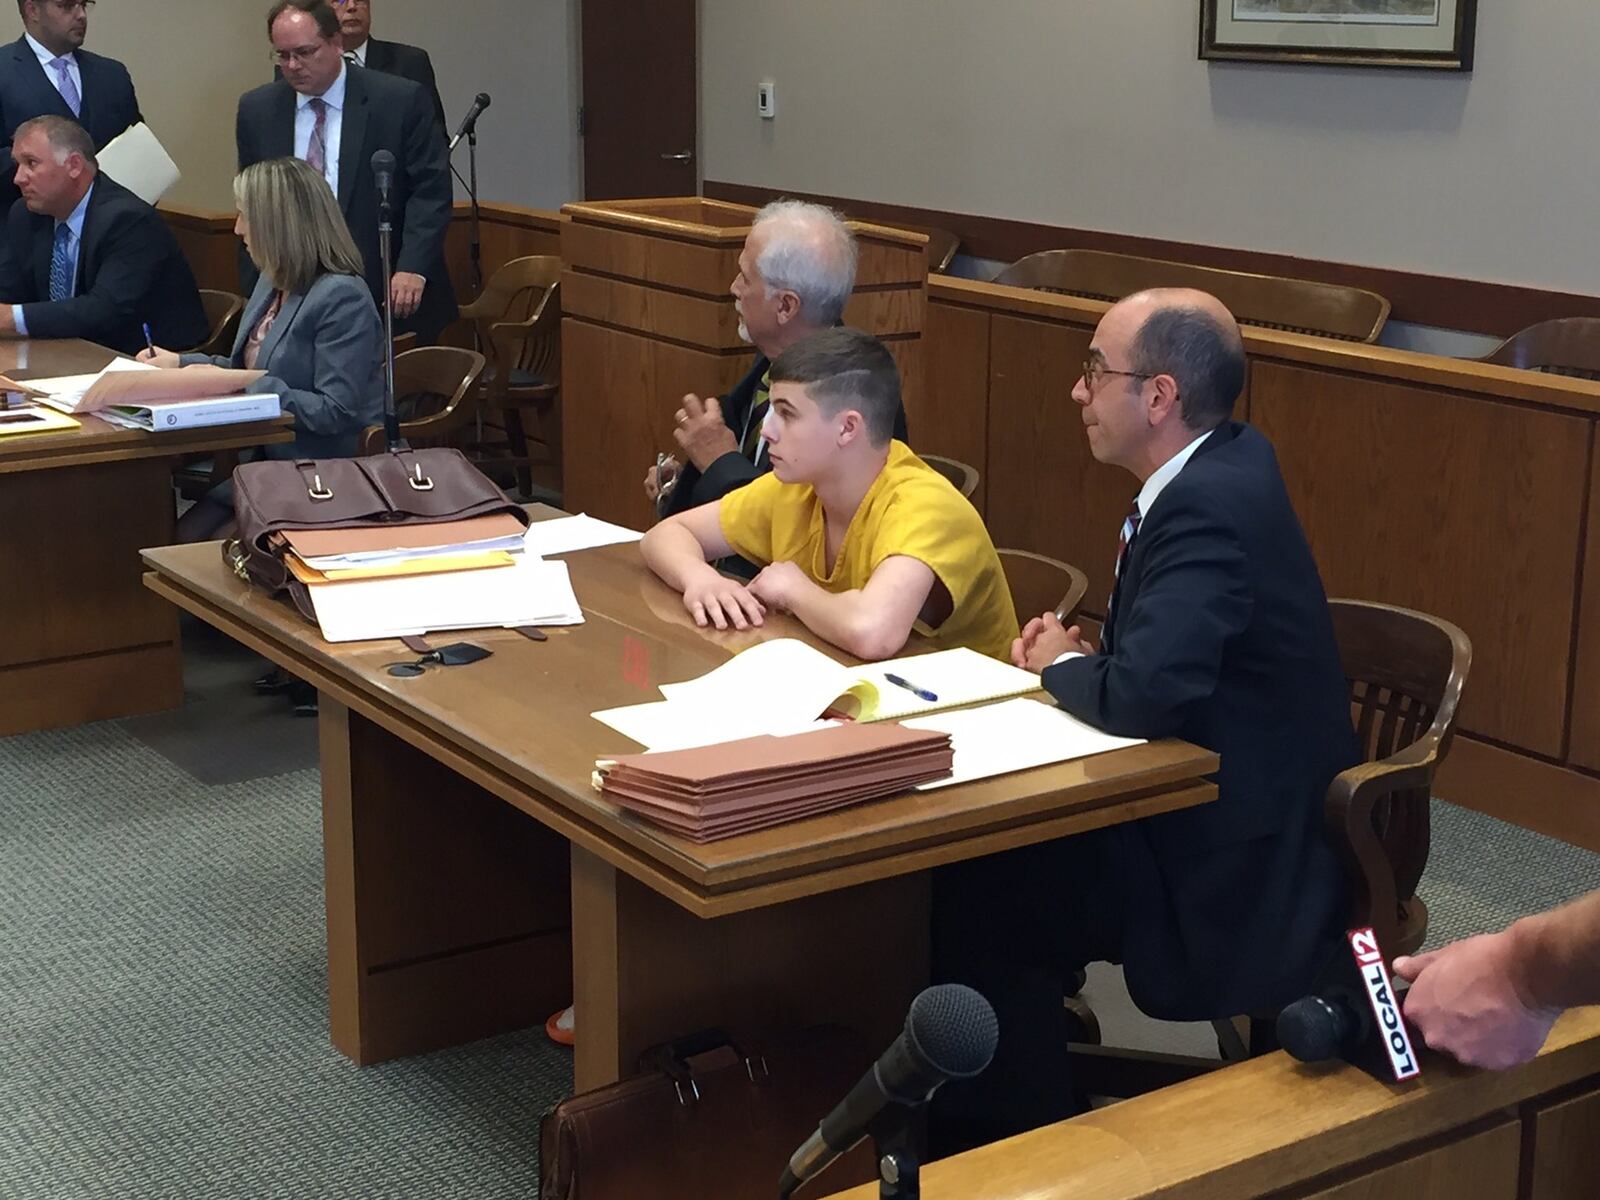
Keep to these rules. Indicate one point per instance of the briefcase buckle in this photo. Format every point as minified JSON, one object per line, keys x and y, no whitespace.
{"x":316,"y":491}
{"x":419,"y":482}
{"x":693,"y":1088}
{"x":236,"y":556}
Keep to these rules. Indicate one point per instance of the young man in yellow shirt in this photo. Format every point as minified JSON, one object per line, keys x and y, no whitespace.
{"x":856,"y":535}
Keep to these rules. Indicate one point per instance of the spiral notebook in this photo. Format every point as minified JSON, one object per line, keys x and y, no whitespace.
{"x":783,"y":686}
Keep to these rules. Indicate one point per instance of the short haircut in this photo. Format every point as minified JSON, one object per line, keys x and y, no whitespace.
{"x":319,"y":11}
{"x":297,"y":233}
{"x":1203,"y":355}
{"x":66,"y":137}
{"x":845,"y":368}
{"x":811,"y":252}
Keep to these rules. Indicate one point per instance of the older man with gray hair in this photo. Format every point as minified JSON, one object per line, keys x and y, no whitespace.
{"x":796,"y":273}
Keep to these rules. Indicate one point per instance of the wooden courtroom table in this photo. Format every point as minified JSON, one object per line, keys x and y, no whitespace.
{"x":451,"y":915}
{"x":1271,"y":1127}
{"x":80,"y":639}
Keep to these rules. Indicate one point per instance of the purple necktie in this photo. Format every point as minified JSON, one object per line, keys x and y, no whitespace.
{"x":317,"y":148}
{"x":68,"y":89}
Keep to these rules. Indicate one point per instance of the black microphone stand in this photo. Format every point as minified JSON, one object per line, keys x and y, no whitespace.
{"x":895,"y":1147}
{"x":474,"y":246}
{"x":391,"y":414}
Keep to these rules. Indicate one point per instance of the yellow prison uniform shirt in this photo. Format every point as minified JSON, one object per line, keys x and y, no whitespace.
{"x":910,"y":509}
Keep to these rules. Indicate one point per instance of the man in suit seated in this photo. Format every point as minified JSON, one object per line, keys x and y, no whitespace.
{"x":796,"y":271}
{"x":393,"y":58}
{"x":47,"y":72}
{"x":1217,"y":632}
{"x":83,"y":257}
{"x":336,"y":117}
{"x":855,"y":535}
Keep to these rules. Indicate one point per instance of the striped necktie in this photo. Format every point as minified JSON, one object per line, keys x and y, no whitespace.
{"x":317,"y":147}
{"x":751,"y":448}
{"x":60,"y":264}
{"x":64,"y":85}
{"x":1130,"y":530}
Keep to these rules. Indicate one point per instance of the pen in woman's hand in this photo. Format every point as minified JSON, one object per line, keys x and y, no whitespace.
{"x":149,"y":342}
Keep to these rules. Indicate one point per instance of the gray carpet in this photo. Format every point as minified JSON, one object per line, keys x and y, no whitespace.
{"x":163,"y":1015}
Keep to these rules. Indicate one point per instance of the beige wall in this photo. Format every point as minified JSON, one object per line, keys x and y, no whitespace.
{"x":190,"y":61}
{"x":1097,"y":114}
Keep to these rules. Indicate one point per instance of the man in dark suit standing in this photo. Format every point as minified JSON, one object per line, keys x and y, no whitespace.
{"x":83,"y":257}
{"x":394,"y":58}
{"x":336,"y":116}
{"x":47,"y":72}
{"x":1217,"y":632}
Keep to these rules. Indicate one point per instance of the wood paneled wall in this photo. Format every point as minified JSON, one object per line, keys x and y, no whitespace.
{"x":505,"y":232}
{"x":1460,"y":489}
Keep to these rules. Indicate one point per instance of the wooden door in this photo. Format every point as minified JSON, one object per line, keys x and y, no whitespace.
{"x":640,"y":79}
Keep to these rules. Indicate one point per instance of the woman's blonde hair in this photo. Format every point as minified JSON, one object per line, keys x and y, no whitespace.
{"x":297,"y":233}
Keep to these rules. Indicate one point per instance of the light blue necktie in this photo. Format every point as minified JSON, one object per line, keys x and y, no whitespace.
{"x":60,"y":264}
{"x":68,"y":89}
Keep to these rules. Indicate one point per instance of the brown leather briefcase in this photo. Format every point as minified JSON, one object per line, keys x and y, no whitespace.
{"x":402,"y":487}
{"x":705,"y":1121}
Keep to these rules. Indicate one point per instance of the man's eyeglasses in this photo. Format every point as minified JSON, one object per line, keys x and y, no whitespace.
{"x":72,"y":6}
{"x":1094,"y":371}
{"x":299,"y":55}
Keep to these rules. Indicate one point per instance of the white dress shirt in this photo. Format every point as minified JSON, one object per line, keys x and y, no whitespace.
{"x":305,"y":121}
{"x":47,"y":61}
{"x":74,"y":223}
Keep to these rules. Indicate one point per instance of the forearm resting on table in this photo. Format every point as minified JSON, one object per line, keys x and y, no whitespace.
{"x":675,"y":554}
{"x":851,"y":621}
{"x":1558,"y":955}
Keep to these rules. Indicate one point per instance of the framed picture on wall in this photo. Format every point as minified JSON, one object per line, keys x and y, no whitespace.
{"x":1366,"y":33}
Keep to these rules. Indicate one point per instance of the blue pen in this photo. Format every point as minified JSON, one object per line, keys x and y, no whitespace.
{"x":149,"y":341}
{"x":919,"y":693}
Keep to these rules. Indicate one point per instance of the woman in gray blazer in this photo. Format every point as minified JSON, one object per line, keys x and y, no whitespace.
{"x":310,"y":324}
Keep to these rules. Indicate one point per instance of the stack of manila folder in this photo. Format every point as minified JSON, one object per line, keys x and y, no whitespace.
{"x":399,"y":580}
{"x":720,"y":791}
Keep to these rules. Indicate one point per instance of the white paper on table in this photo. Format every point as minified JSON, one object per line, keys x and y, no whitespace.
{"x":1013,"y":736}
{"x":137,"y":160}
{"x":64,"y":391}
{"x":563,"y":535}
{"x":785,"y":679}
{"x":664,"y":725}
{"x":529,"y":592}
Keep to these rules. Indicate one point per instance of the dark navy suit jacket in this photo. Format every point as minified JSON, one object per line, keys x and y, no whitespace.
{"x":130,"y":272}
{"x":108,"y":102}
{"x":384,"y":112}
{"x":1220,"y":635}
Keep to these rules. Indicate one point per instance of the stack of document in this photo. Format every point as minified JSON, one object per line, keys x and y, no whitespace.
{"x":136,"y":395}
{"x":394,"y":580}
{"x":784,"y":686}
{"x":755,"y":783}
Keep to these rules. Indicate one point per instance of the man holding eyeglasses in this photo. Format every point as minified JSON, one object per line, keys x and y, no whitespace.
{"x":335,"y":116}
{"x":46,"y":72}
{"x":1217,"y":631}
{"x":394,"y":58}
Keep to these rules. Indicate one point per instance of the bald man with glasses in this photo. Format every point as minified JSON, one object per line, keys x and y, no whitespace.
{"x":47,"y":73}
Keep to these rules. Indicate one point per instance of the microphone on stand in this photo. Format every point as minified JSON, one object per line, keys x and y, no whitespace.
{"x":383,"y":177}
{"x":951,"y":1033}
{"x":470,"y":121}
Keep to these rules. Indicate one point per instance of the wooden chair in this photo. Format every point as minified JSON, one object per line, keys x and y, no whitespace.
{"x":964,"y":478}
{"x":518,"y":319}
{"x":1565,"y":346}
{"x":1040,"y":584}
{"x":1406,"y":671}
{"x":223,"y":310}
{"x":435,"y":391}
{"x":1264,"y":301}
{"x":942,"y":247}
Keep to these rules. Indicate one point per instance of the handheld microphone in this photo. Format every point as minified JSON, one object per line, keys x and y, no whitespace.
{"x":1355,"y":1015}
{"x":383,"y":173}
{"x":951,"y":1033}
{"x":470,"y":121}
